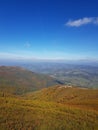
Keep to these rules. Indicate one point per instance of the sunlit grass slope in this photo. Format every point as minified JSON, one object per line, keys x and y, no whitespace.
{"x":21,"y":114}
{"x":74,"y":96}
{"x":55,"y":108}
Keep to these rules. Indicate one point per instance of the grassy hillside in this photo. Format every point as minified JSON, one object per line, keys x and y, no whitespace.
{"x":74,"y":96}
{"x":19,"y":80}
{"x":21,"y":114}
{"x":55,"y":108}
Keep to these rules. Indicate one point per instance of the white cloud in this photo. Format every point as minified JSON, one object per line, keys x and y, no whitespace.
{"x":83,"y":21}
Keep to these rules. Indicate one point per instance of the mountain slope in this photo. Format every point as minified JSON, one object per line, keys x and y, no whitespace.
{"x":74,"y":96}
{"x":19,"y":80}
{"x":44,"y":110}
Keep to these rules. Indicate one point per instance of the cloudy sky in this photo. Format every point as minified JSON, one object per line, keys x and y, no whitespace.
{"x":49,"y":29}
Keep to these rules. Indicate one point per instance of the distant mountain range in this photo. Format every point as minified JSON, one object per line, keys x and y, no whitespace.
{"x":83,"y":74}
{"x":69,"y":74}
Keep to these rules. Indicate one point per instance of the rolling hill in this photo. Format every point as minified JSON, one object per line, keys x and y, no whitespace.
{"x":74,"y":96}
{"x":55,"y":108}
{"x":19,"y":80}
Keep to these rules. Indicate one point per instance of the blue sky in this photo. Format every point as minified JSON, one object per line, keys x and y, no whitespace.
{"x":49,"y":29}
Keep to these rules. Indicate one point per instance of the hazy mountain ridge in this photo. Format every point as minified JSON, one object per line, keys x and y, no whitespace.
{"x":83,"y":75}
{"x":21,"y":80}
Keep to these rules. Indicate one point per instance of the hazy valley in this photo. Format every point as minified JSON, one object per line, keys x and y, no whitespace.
{"x":75,"y":74}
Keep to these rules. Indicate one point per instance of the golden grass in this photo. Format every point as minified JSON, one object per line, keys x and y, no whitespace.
{"x":50,"y":109}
